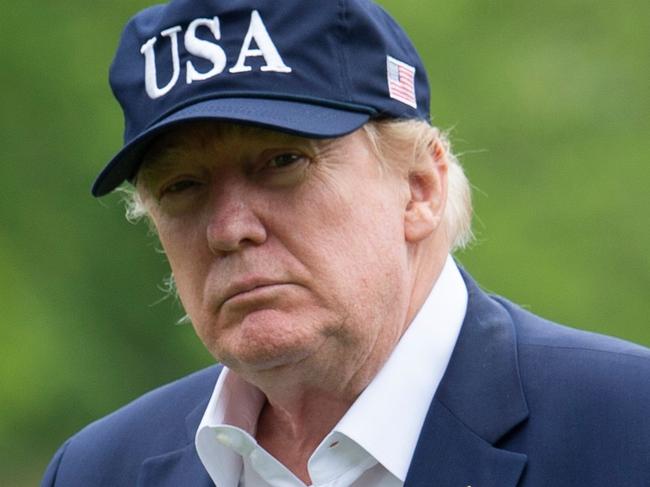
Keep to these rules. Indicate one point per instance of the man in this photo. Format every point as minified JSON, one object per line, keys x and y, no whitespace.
{"x":283,"y":153}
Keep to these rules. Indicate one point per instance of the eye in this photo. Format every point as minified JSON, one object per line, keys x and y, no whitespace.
{"x":284,"y":160}
{"x":178,"y":187}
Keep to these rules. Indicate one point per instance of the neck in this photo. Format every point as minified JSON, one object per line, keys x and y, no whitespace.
{"x":427,"y":271}
{"x":290,"y":427}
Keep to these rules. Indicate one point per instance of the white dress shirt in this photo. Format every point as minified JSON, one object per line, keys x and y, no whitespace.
{"x":373,"y":443}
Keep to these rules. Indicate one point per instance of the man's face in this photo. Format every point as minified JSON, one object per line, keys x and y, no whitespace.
{"x":285,"y":250}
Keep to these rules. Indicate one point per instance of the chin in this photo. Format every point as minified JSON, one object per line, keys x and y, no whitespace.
{"x":267,"y":339}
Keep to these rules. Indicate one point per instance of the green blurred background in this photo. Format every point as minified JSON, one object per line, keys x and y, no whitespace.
{"x":549,"y":103}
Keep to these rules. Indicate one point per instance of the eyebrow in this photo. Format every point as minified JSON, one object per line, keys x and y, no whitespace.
{"x":164,"y":155}
{"x":159,"y":161}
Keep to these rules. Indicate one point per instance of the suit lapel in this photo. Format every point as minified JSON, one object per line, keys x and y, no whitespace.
{"x":480,"y":399}
{"x":181,"y":466}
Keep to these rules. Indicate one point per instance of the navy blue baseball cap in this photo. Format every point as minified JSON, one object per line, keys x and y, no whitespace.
{"x":315,"y":68}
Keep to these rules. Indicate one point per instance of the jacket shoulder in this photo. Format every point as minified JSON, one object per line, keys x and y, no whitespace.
{"x":536,"y":332}
{"x":169,"y":402}
{"x":570,"y":356}
{"x":587,"y":395}
{"x":110,"y":450}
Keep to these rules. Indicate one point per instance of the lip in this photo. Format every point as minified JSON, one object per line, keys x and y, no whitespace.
{"x":249,"y":285}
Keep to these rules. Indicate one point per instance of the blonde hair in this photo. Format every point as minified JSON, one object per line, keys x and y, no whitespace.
{"x":401,"y":145}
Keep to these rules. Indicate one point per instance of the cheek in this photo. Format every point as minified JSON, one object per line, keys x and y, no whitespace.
{"x":365,"y":227}
{"x":189,"y":262}
{"x":352,"y":243}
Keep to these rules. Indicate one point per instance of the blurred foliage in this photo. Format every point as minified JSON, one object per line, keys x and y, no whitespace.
{"x":549,"y":104}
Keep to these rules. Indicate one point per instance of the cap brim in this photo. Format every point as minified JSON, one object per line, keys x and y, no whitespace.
{"x":299,"y":118}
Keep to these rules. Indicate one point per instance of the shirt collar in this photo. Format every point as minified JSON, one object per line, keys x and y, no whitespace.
{"x":386,"y":418}
{"x":236,"y":403}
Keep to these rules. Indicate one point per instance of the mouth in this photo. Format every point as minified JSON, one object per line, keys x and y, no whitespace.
{"x":251,"y":289}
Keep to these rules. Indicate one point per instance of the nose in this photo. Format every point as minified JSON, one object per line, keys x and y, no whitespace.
{"x":233,"y":222}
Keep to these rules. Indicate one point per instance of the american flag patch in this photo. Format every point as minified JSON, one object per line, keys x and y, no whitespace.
{"x":401,"y":81}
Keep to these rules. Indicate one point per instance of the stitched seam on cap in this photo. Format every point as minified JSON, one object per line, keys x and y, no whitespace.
{"x":342,"y":52}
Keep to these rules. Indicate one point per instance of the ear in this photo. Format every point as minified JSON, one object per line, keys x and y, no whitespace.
{"x":428,"y":195}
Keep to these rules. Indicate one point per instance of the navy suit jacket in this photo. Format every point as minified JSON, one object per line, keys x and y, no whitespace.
{"x":524,"y":402}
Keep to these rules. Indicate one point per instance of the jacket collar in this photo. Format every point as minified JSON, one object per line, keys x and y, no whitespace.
{"x":480,"y":399}
{"x":180,"y":466}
